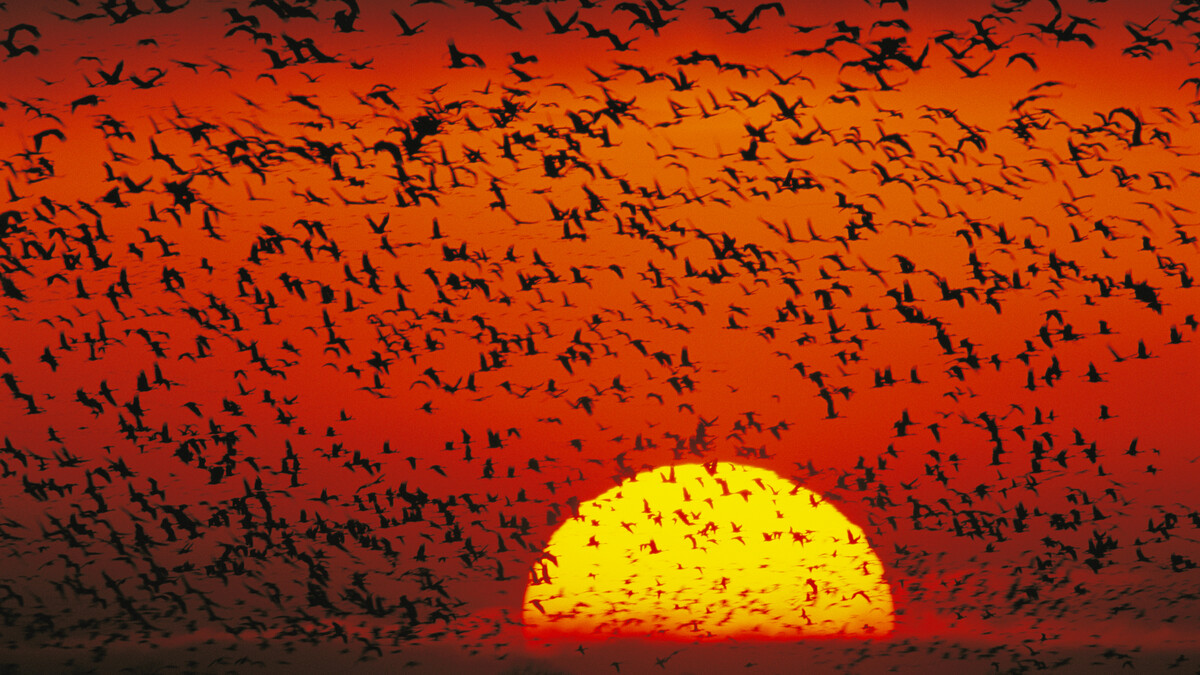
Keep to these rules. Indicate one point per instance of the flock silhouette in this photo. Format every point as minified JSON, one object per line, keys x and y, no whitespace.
{"x":319,"y":317}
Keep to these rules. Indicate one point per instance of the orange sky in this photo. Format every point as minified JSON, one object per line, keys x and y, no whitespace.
{"x":538,"y":357}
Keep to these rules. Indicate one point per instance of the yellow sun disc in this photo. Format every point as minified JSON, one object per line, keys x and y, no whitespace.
{"x":708,"y":551}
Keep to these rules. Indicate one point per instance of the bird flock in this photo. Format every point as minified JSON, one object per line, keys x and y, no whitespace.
{"x":318,"y":317}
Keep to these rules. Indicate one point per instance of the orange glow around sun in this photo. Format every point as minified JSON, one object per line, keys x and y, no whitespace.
{"x":708,"y":551}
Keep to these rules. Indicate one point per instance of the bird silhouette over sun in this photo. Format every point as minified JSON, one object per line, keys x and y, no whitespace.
{"x":708,"y":551}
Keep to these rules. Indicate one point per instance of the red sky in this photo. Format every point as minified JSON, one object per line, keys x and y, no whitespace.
{"x":1022,"y":240}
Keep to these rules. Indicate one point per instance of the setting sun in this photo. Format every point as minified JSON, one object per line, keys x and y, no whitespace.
{"x":708,"y":551}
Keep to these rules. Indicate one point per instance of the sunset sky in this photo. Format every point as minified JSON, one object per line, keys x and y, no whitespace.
{"x":855,"y":335}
